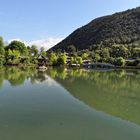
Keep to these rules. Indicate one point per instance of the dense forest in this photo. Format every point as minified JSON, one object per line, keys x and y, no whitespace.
{"x":120,"y":29}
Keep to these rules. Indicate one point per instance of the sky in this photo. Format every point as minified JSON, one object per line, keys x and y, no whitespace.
{"x":46,"y":22}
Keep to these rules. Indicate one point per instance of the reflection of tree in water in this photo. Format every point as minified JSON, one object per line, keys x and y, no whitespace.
{"x":2,"y":71}
{"x":57,"y":72}
{"x":16,"y":76}
{"x":113,"y":80}
{"x":116,"y":93}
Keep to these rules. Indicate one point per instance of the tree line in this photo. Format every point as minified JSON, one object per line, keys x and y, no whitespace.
{"x":17,"y":53}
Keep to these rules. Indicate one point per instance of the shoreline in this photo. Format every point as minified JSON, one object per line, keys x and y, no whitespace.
{"x":77,"y":67}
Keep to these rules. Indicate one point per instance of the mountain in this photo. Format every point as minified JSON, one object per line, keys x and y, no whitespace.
{"x":119,"y":28}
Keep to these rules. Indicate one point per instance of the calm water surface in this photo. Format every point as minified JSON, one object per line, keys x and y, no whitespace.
{"x":62,"y":104}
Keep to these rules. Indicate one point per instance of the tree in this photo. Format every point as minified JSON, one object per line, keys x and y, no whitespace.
{"x":79,"y":60}
{"x":111,"y":60}
{"x":104,"y":54}
{"x":119,"y":51}
{"x":84,"y":56}
{"x":2,"y":52}
{"x":72,"y":60}
{"x":17,"y":45}
{"x":136,"y":52}
{"x":2,"y":60}
{"x":1,"y":42}
{"x":13,"y":57}
{"x":62,"y":58}
{"x":53,"y":59}
{"x":43,"y":52}
{"x":71,"y":49}
{"x":34,"y":50}
{"x":120,"y":61}
{"x":96,"y":57}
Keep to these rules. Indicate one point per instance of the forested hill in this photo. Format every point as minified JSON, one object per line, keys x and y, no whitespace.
{"x":119,"y":28}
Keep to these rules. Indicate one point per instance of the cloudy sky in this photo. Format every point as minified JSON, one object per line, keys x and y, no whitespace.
{"x":46,"y":22}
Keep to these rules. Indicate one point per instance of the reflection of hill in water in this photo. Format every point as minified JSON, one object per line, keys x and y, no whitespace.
{"x":115,"y":93}
{"x":17,"y":76}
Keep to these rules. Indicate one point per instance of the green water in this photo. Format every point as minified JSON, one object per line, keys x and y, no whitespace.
{"x":62,"y":104}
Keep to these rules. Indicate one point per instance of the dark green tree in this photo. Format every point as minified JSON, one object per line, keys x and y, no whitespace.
{"x":19,"y":46}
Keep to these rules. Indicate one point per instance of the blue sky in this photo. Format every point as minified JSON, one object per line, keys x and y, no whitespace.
{"x":41,"y":19}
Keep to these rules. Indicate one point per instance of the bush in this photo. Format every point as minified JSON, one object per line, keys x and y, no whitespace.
{"x":120,"y":61}
{"x":60,"y":61}
{"x":2,"y":60}
{"x":111,"y":60}
{"x":62,"y":58}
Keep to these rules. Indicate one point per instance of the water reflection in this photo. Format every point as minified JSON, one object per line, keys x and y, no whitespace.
{"x":17,"y":76}
{"x":116,"y":93}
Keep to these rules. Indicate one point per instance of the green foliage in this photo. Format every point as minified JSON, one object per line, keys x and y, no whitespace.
{"x":120,"y":61}
{"x":13,"y":57}
{"x":84,"y":56}
{"x":96,"y":57}
{"x":2,"y":55}
{"x":111,"y":60}
{"x":34,"y":50}
{"x":119,"y":51}
{"x":71,"y":48}
{"x":1,"y":42}
{"x":104,"y":54}
{"x":34,"y":60}
{"x":79,"y":60}
{"x":72,"y":60}
{"x":62,"y":58}
{"x":53,"y":59}
{"x":2,"y":60}
{"x":43,"y":52}
{"x":19,"y":46}
{"x":76,"y":60}
{"x":2,"y":52}
{"x":136,"y":52}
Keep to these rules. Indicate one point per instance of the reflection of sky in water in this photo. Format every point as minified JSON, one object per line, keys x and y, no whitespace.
{"x":49,"y":81}
{"x":67,"y":109}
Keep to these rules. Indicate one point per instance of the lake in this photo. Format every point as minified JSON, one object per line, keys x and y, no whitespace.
{"x":62,"y":104}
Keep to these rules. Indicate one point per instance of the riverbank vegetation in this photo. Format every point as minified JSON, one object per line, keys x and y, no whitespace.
{"x":18,"y":54}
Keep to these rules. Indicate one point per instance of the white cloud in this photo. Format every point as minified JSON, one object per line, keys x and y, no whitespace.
{"x":46,"y":43}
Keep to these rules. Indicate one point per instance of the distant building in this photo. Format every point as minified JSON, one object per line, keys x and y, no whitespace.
{"x":86,"y":63}
{"x":68,"y":61}
{"x":41,"y":60}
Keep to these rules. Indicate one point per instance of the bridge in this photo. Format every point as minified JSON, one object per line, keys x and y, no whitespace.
{"x":99,"y":65}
